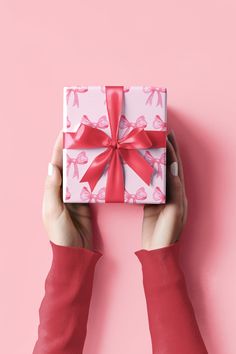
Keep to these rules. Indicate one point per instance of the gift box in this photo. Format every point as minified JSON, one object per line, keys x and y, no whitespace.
{"x":114,"y":144}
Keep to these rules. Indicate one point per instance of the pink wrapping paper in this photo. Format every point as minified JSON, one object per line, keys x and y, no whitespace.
{"x":144,"y":107}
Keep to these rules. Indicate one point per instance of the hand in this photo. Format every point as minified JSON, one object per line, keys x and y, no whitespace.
{"x":67,"y":224}
{"x":163,"y":223}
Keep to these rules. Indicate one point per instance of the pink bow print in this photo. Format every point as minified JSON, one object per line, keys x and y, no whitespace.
{"x":139,"y":195}
{"x":158,"y":123}
{"x":68,"y":122}
{"x":158,"y":195}
{"x":76,"y":94}
{"x":68,"y":194}
{"x":125,"y":124}
{"x":152,"y":90}
{"x":87,"y":196}
{"x":102,"y":122}
{"x":80,"y":159}
{"x":156,"y":162}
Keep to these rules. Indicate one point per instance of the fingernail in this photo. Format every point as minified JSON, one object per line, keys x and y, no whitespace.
{"x":174,"y":168}
{"x":50,"y":169}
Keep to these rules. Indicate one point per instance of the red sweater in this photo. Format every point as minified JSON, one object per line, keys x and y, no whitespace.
{"x":64,"y":309}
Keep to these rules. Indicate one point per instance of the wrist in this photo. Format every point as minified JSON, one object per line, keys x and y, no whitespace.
{"x":65,"y":239}
{"x":68,"y":260}
{"x":160,"y":244}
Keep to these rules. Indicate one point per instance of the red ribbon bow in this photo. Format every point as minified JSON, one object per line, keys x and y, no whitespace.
{"x":117,"y":149}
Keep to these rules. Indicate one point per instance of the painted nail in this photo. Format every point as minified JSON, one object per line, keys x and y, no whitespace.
{"x":50,"y":169}
{"x":174,"y":168}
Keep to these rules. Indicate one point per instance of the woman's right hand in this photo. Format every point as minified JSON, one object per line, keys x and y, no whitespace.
{"x":163,"y":223}
{"x":67,"y":224}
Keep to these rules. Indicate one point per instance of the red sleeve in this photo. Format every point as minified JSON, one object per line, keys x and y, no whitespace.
{"x":63,"y":312}
{"x":172,"y":323}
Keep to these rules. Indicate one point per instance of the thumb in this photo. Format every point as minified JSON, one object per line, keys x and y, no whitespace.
{"x":52,"y":202}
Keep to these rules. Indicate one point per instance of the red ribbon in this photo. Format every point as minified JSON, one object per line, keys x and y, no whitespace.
{"x":118,"y":150}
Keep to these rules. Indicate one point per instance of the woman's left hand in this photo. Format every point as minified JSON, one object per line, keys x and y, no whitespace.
{"x":67,"y":224}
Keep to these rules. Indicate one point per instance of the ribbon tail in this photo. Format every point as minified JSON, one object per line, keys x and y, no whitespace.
{"x":95,"y":170}
{"x":115,"y":180}
{"x":138,"y":163}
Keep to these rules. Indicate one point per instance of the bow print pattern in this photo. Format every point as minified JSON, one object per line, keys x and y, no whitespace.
{"x":81,"y":159}
{"x":126,"y":125}
{"x":68,"y":194}
{"x":68,"y":122}
{"x":75,"y":92}
{"x":139,"y":195}
{"x":87,"y":196}
{"x":152,"y":90}
{"x":158,"y":195}
{"x":102,"y":122}
{"x":158,"y":123}
{"x":156,"y":162}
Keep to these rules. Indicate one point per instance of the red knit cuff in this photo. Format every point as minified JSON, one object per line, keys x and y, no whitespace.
{"x":162,"y":264}
{"x":68,"y":260}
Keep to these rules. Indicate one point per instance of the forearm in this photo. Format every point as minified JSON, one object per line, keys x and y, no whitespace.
{"x":63,"y":313}
{"x":172,"y":322}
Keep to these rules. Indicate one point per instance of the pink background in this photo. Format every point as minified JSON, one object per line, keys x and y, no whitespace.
{"x":186,"y":46}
